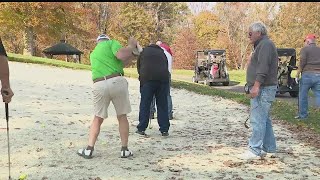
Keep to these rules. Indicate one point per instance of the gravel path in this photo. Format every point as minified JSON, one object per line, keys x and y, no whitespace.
{"x":52,"y":109}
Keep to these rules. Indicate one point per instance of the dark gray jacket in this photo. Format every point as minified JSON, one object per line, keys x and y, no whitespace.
{"x":264,"y":63}
{"x":152,"y":65}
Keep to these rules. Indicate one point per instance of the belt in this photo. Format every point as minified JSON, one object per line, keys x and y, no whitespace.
{"x":106,"y":77}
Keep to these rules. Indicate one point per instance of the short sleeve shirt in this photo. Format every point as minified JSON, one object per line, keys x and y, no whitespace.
{"x":2,"y":50}
{"x":104,"y":61}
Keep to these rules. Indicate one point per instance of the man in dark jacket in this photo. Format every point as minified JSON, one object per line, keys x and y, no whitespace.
{"x":153,"y":73}
{"x":262,"y":82}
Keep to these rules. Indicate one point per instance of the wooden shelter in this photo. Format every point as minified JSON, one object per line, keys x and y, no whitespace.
{"x":63,"y":48}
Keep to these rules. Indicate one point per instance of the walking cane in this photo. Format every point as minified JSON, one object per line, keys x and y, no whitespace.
{"x":7,"y":119}
{"x":247,"y":91}
{"x":298,"y":82}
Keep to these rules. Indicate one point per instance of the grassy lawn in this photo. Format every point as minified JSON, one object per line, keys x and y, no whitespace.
{"x":182,"y":79}
{"x":52,"y":62}
{"x":238,"y":76}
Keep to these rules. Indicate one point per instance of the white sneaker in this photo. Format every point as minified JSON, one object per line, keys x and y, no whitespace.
{"x":269,"y":155}
{"x":126,"y":153}
{"x":248,"y":155}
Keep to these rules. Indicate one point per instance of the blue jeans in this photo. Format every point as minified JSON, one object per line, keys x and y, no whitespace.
{"x":153,"y":103}
{"x":262,"y":137}
{"x":160,"y":91}
{"x":308,"y":81}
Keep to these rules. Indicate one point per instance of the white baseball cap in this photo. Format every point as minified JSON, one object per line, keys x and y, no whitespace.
{"x":103,"y":36}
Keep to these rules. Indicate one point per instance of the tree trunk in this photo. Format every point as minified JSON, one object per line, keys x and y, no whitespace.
{"x":157,"y":21}
{"x":15,"y":45}
{"x":102,"y":17}
{"x":243,"y":57}
{"x":29,"y":42}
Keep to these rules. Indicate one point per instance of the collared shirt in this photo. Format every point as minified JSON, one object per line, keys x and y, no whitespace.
{"x":169,"y":58}
{"x":166,"y":47}
{"x":263,"y":66}
{"x":103,"y":59}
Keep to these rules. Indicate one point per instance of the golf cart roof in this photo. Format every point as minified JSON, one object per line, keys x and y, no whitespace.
{"x":286,"y":52}
{"x":215,"y":52}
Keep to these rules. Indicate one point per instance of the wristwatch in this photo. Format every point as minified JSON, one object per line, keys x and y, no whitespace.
{"x":135,"y":52}
{"x":246,"y":89}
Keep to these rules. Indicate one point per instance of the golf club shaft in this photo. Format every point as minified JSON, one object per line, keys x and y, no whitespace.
{"x":7,"y":119}
{"x":150,"y":127}
{"x":298,"y":81}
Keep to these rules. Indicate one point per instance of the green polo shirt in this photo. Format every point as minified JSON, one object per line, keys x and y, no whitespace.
{"x":103,"y":59}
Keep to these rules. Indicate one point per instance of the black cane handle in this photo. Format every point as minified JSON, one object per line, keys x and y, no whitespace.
{"x":6,"y":106}
{"x":7,"y":111}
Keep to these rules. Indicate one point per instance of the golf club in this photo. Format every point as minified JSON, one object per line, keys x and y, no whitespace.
{"x":298,"y":82}
{"x":247,"y":91}
{"x":150,"y":126}
{"x":7,"y":118}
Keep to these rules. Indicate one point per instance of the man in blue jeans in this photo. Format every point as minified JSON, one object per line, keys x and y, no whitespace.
{"x":167,"y":51}
{"x":262,"y":81}
{"x":153,"y":73}
{"x":309,"y":67}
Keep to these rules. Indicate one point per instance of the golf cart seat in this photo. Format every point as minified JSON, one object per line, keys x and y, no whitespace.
{"x":287,"y":63}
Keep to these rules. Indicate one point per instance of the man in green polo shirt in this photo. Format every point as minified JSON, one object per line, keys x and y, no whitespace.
{"x":107,"y":62}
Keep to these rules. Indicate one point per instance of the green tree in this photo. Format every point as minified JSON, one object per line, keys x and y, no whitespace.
{"x":206,"y":26}
{"x":166,"y":17}
{"x":233,"y":18}
{"x":294,"y":21}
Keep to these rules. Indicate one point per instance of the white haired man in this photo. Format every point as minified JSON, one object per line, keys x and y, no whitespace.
{"x":262,"y":81}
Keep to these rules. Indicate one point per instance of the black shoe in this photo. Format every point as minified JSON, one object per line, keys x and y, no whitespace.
{"x":87,"y":154}
{"x":164,"y":133}
{"x":126,"y":153}
{"x":141,"y":133}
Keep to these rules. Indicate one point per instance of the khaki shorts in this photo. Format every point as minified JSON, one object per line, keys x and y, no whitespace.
{"x":114,"y":89}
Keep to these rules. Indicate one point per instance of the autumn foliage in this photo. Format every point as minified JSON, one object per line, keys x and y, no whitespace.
{"x":184,"y":49}
{"x":30,"y":27}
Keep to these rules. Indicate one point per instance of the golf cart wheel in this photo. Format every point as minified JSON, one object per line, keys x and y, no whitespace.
{"x":294,"y":93}
{"x":194,"y":79}
{"x":225,"y":83}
